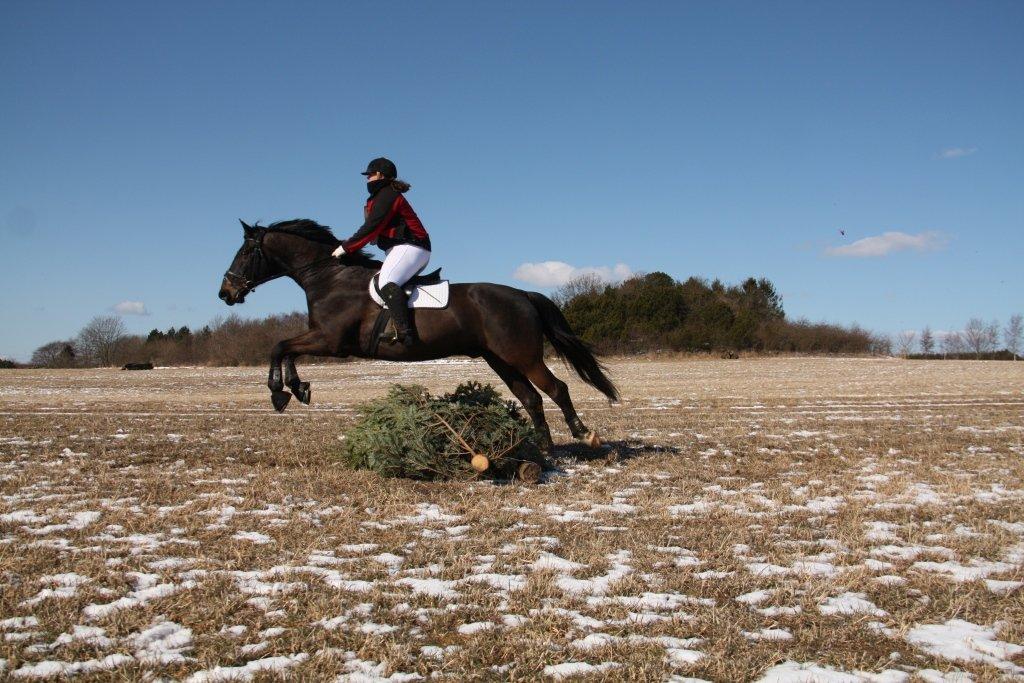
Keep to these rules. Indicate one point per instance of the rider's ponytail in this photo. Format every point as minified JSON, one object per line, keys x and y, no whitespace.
{"x":400,"y":185}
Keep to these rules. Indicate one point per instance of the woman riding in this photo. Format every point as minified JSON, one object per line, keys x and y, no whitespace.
{"x":392,"y":223}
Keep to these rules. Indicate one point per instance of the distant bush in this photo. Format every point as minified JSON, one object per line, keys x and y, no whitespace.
{"x":656,"y":312}
{"x":7,"y":364}
{"x":984,"y":355}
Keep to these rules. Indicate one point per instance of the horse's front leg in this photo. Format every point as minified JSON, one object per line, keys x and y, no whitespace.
{"x":288,"y":350}
{"x":278,"y":396}
{"x":299,"y":388}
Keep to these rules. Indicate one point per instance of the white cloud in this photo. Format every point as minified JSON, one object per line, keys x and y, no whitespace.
{"x":957,"y":152}
{"x":888,"y":243}
{"x":557,"y":273}
{"x":131,"y":308}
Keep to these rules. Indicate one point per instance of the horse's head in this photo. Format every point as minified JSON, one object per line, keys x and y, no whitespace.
{"x":249,"y":268}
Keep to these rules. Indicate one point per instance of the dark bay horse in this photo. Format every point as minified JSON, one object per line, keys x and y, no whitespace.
{"x":504,"y":325}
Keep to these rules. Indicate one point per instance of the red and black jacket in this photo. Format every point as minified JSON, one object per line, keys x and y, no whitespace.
{"x":390,"y":220}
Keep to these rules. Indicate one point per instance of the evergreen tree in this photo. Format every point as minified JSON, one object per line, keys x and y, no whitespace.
{"x":655,"y":311}
{"x":409,"y":433}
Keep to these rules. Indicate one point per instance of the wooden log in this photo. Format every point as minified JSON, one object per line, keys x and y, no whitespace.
{"x":529,"y":472}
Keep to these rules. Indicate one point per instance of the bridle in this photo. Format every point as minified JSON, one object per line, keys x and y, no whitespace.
{"x":248,"y":282}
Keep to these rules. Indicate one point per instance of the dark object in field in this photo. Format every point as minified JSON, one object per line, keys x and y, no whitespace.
{"x":137,"y":366}
{"x":468,"y":433}
{"x":730,"y":355}
{"x":503,"y":325}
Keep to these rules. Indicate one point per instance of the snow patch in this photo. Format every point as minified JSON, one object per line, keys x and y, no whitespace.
{"x":960,"y":640}
{"x":248,"y":671}
{"x":850,"y":603}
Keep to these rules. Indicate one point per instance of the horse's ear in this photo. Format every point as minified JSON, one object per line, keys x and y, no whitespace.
{"x":249,"y":230}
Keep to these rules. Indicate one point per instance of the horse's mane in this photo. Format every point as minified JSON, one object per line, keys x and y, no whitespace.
{"x":304,"y":227}
{"x":313,"y":231}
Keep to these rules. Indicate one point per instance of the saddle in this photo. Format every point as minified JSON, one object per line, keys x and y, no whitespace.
{"x":431,"y":278}
{"x":424,"y":291}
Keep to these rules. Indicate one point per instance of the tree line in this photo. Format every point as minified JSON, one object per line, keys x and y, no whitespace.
{"x":649,"y":312}
{"x":105,"y":342}
{"x":656,"y":312}
{"x":977,"y":340}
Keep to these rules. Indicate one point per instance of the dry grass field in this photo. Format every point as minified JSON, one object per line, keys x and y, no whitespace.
{"x":757,"y":519}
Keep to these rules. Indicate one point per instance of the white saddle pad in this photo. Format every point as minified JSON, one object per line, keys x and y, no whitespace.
{"x":424,"y":296}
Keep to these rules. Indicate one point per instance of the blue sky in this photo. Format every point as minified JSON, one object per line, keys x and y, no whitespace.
{"x":718,"y":139}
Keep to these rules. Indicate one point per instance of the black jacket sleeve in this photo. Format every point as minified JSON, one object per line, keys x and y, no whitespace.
{"x":381,"y":206}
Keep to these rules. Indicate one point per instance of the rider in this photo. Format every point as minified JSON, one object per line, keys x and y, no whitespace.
{"x":391,"y":221}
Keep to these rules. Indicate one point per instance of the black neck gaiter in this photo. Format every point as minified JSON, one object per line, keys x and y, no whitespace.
{"x":375,"y":186}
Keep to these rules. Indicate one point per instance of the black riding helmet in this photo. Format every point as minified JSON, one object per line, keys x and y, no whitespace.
{"x":382,"y":165}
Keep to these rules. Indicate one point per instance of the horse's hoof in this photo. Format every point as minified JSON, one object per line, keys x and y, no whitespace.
{"x":529,"y":472}
{"x":304,"y":393}
{"x":592,"y":440}
{"x":280,"y":400}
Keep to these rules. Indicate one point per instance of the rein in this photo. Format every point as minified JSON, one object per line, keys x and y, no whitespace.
{"x":246,"y":285}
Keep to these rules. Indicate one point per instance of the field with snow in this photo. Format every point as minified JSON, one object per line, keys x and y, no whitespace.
{"x":756,"y":519}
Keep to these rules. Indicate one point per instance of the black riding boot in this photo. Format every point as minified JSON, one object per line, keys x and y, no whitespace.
{"x":398,"y":303}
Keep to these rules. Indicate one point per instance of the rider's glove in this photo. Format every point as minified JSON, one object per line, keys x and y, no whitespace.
{"x":340,"y":251}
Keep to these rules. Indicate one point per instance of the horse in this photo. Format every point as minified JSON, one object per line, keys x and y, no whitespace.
{"x":503,"y":325}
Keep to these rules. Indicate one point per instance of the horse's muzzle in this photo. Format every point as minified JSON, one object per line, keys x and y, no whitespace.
{"x":230,"y":294}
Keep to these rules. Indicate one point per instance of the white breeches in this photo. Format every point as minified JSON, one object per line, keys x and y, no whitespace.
{"x":402,"y":262}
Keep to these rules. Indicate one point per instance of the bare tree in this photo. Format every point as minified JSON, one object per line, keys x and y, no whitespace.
{"x":1012,"y":335}
{"x":56,"y":354}
{"x":99,"y":339}
{"x":976,"y":336}
{"x":953,"y":343}
{"x":927,"y":341}
{"x":588,"y":283}
{"x":992,"y":336}
{"x":881,"y":344}
{"x":905,"y":342}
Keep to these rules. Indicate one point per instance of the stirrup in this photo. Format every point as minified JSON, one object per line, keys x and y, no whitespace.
{"x":390,"y":335}
{"x":401,"y":340}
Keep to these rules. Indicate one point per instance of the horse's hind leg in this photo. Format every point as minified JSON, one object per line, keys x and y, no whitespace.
{"x":527,"y":395}
{"x":539,"y":374}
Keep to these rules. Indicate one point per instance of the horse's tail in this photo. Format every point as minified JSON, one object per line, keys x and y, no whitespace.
{"x":570,"y":348}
